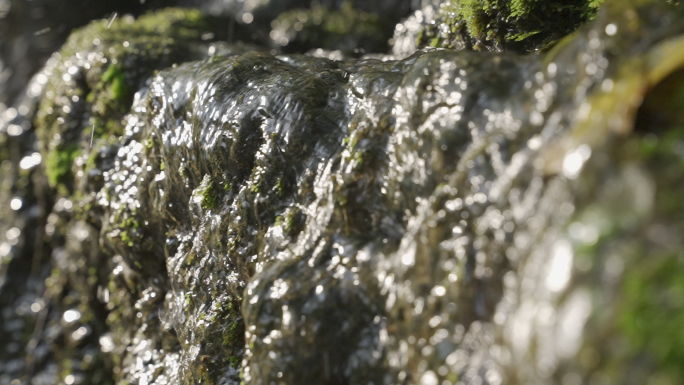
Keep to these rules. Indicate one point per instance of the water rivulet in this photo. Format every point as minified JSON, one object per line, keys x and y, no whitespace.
{"x":448,"y":218}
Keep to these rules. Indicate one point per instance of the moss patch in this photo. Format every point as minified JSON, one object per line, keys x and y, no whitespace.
{"x":59,"y":163}
{"x":209,"y":198}
{"x":93,"y":78}
{"x":517,"y":25}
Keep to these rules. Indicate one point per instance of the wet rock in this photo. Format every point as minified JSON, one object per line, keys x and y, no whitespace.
{"x":405,"y":39}
{"x":519,"y":26}
{"x":448,"y":218}
{"x":78,"y":102}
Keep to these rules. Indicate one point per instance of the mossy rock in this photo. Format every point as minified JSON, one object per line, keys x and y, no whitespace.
{"x":92,"y":81}
{"x":409,"y":221}
{"x":495,"y":25}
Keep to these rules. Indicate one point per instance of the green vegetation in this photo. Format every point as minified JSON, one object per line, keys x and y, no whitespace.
{"x":650,"y":312}
{"x":292,"y":221}
{"x":89,"y":91}
{"x":59,"y":163}
{"x":651,"y":316}
{"x":232,"y":334}
{"x":639,"y":324}
{"x":517,"y":25}
{"x":97,"y":71}
{"x":209,"y":199}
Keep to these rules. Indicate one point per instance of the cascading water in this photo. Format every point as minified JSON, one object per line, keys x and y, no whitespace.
{"x":444,"y":218}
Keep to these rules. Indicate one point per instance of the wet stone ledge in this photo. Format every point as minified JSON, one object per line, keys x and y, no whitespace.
{"x":452,"y":217}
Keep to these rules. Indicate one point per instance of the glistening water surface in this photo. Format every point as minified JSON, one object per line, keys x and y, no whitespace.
{"x":448,"y":218}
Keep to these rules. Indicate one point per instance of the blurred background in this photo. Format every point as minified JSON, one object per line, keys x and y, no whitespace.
{"x":31,"y":30}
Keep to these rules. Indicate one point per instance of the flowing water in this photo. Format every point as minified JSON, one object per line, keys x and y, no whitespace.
{"x":445,"y":218}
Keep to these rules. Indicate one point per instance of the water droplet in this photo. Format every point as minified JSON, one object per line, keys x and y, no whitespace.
{"x":561,"y":266}
{"x":79,"y":333}
{"x":13,"y":234}
{"x":438,"y":291}
{"x":14,"y":130}
{"x":573,"y":162}
{"x":607,"y":85}
{"x":71,"y":315}
{"x":16,"y":204}
{"x":429,"y":378}
{"x":36,"y":307}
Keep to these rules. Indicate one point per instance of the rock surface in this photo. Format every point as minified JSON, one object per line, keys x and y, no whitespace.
{"x":492,"y":25}
{"x":448,"y":218}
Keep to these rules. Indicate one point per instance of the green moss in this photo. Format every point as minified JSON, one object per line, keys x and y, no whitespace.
{"x":651,"y":316}
{"x":292,"y":221}
{"x":130,"y":223}
{"x":209,"y":200}
{"x":233,"y":334}
{"x":342,"y":200}
{"x":95,"y":75}
{"x":190,"y":259}
{"x":518,"y":25}
{"x":91,"y":162}
{"x":206,"y":194}
{"x":235,"y":361}
{"x":358,"y":157}
{"x":59,"y":163}
{"x":183,"y":171}
{"x":120,"y":91}
{"x":126,"y":238}
{"x":279,"y":187}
